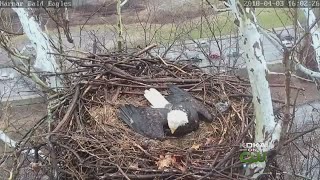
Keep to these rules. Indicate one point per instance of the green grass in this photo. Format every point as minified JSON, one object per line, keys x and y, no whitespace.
{"x":223,"y":24}
{"x":273,"y":18}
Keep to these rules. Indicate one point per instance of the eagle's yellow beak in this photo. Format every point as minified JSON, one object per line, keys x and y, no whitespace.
{"x":173,"y":130}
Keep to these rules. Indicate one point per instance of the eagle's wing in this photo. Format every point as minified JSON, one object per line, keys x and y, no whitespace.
{"x":178,"y":95}
{"x":145,"y":120}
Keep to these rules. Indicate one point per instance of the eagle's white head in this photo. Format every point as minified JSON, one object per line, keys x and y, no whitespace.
{"x":176,"y":118}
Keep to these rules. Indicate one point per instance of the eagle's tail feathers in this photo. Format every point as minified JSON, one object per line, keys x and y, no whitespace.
{"x":155,"y":98}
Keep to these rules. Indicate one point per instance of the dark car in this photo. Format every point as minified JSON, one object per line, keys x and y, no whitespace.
{"x":288,"y":41}
{"x":196,"y":59}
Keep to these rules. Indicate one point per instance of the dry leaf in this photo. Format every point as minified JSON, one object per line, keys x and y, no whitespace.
{"x":195,"y":146}
{"x":134,"y":166}
{"x":165,"y":161}
{"x":35,"y":166}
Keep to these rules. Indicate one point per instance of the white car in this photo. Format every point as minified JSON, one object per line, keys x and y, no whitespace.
{"x":233,"y":52}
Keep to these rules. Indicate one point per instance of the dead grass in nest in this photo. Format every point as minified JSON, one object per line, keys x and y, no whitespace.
{"x":207,"y":133}
{"x":196,"y":150}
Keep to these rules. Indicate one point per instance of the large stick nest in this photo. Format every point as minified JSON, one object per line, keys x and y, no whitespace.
{"x":90,"y":142}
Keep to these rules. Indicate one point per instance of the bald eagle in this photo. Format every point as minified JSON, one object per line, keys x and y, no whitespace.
{"x":179,"y":99}
{"x":152,"y":122}
{"x":176,"y":115}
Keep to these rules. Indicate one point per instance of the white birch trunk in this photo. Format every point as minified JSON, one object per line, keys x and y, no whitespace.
{"x":44,"y":62}
{"x":7,"y":140}
{"x":267,"y":130}
{"x":315,"y":33}
{"x":307,"y":71}
{"x":123,"y":3}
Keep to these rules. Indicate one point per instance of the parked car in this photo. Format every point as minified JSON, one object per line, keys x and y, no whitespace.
{"x":6,"y":76}
{"x":196,"y":59}
{"x":287,"y":41}
{"x":202,"y":44}
{"x":232,"y":52}
{"x":214,"y":56}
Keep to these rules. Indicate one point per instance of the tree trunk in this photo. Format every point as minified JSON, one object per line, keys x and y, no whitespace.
{"x":267,"y":129}
{"x":120,"y":37}
{"x":44,"y":62}
{"x":7,"y":140}
{"x":313,"y":43}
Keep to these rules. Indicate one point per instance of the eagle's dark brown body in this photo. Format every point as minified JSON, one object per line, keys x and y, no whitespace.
{"x":153,"y":122}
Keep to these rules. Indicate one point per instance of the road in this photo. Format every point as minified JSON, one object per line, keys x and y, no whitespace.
{"x":11,"y":81}
{"x":190,"y":49}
